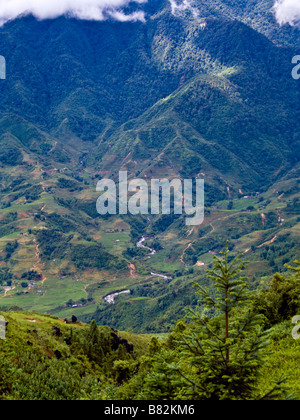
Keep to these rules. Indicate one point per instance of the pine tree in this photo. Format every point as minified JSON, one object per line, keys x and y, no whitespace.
{"x":94,"y":351}
{"x":232,"y":291}
{"x":225,"y":342}
{"x":217,"y":353}
{"x":281,"y":301}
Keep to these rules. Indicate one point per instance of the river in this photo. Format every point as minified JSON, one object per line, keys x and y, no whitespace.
{"x":140,"y":244}
{"x":111,"y":298}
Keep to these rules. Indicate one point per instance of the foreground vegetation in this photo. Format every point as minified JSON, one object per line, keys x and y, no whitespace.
{"x":235,"y":344}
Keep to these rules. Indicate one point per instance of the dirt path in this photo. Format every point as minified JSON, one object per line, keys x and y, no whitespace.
{"x":212,"y":230}
{"x":38,"y":262}
{"x":133,"y":271}
{"x":8,"y":290}
{"x":263,"y":219}
{"x":124,"y":160}
{"x":190,"y":232}
{"x":53,"y":148}
{"x":269,"y":242}
{"x":39,"y":266}
{"x":37,"y":255}
{"x":229,"y":193}
{"x":184,"y":251}
{"x":207,"y":235}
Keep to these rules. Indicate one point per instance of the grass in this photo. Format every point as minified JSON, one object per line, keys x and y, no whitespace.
{"x":116,"y":243}
{"x":283,"y":361}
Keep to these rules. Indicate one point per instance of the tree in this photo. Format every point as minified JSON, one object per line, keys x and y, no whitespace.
{"x":5,"y":378}
{"x":232,"y":291}
{"x":217,"y":351}
{"x":94,"y":350}
{"x":281,"y":301}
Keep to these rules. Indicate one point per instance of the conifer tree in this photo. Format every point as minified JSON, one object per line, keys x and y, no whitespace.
{"x":95,"y":351}
{"x":226,"y":340}
{"x":281,"y":301}
{"x":218,"y":352}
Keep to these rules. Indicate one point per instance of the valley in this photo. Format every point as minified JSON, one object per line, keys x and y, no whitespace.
{"x":182,"y":96}
{"x":54,"y":283}
{"x":104,"y":295}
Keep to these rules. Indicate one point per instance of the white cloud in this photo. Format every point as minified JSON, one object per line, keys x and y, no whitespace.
{"x":179,"y":6}
{"x":81,"y":9}
{"x":287,"y":11}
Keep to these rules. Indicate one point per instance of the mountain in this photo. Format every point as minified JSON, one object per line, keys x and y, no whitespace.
{"x":202,"y":92}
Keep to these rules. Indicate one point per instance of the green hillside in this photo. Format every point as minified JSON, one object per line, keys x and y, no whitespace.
{"x":43,"y":358}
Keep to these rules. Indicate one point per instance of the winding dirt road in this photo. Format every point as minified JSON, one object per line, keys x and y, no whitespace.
{"x":38,"y":263}
{"x":133,"y":271}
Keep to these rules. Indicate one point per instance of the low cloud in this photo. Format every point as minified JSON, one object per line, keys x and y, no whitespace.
{"x":287,"y":11}
{"x":179,"y":6}
{"x":81,"y":9}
